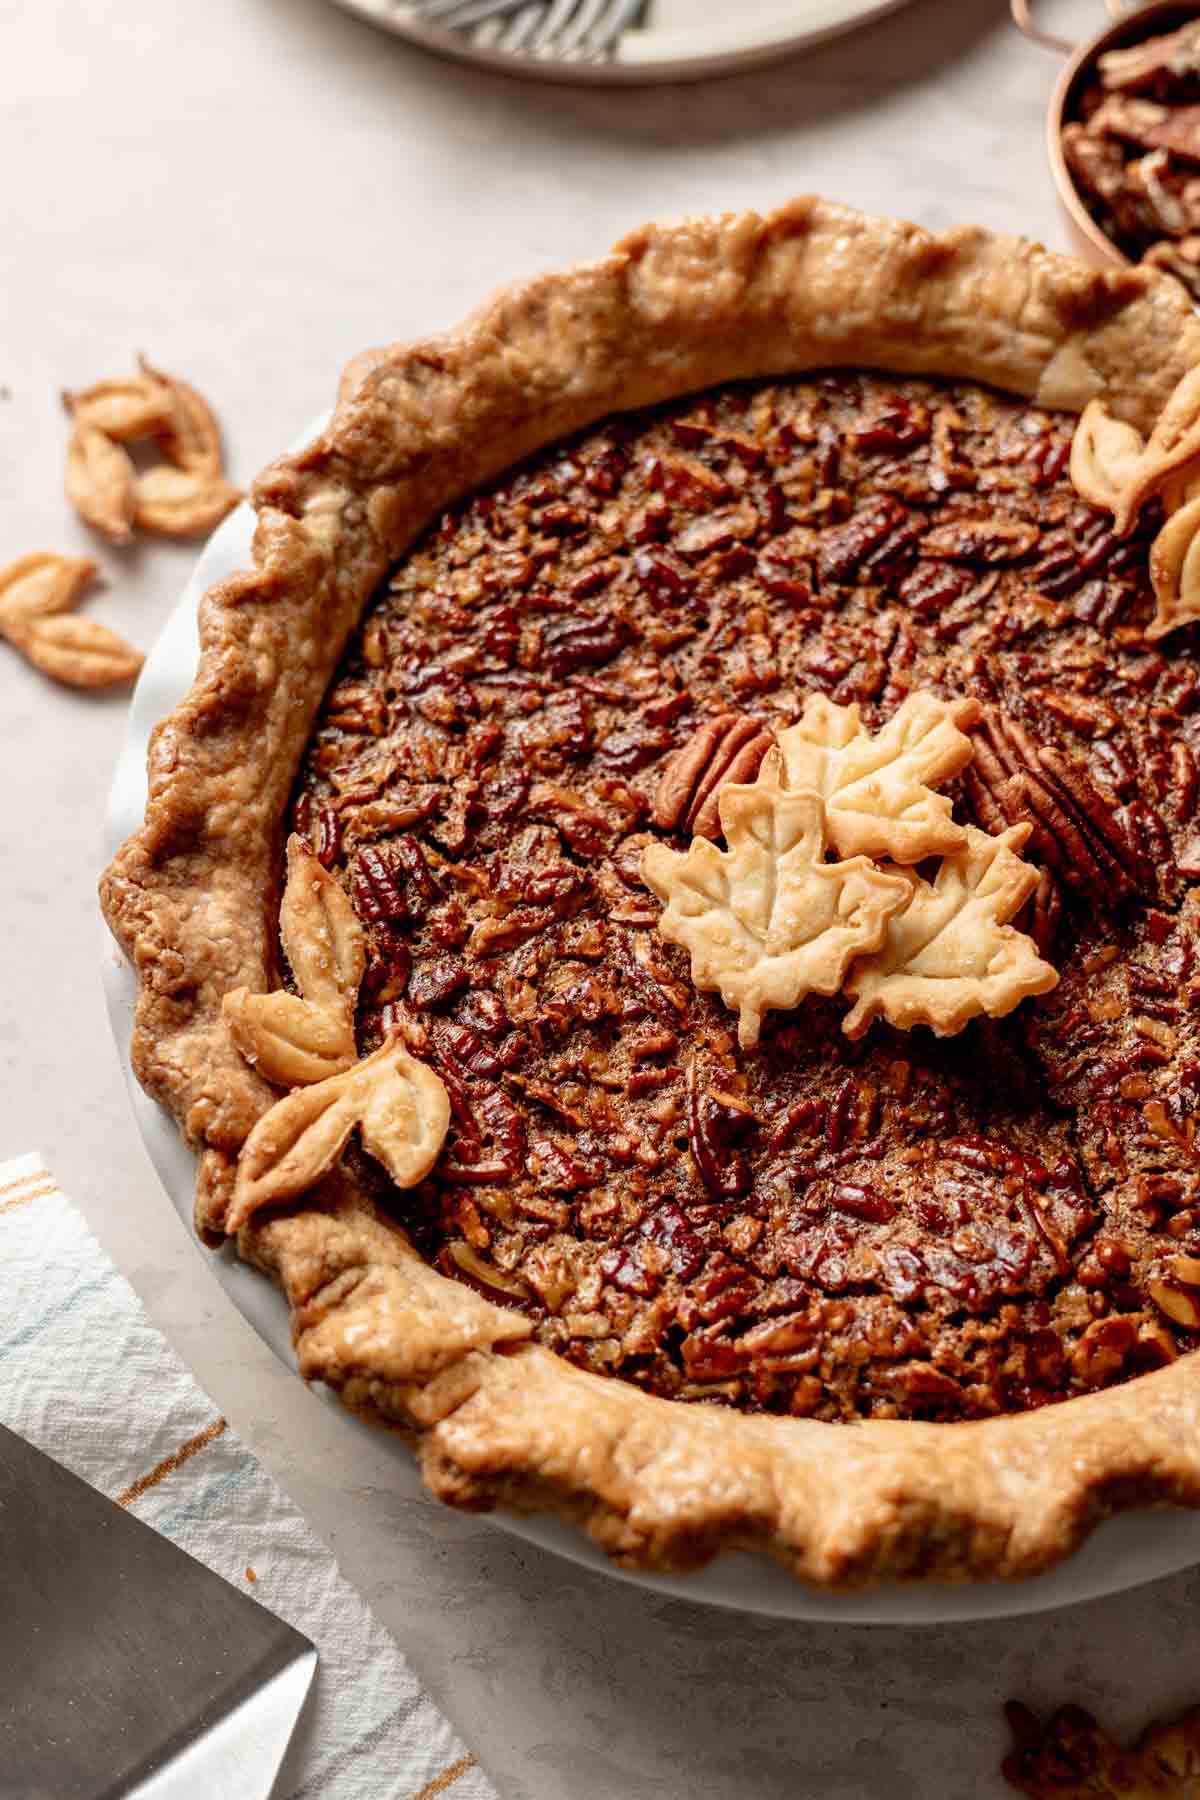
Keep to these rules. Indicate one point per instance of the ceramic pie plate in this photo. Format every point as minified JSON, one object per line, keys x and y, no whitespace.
{"x":683,"y":41}
{"x":1123,"y":1552}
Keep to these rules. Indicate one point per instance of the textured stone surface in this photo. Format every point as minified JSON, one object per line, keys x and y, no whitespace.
{"x":184,"y":157}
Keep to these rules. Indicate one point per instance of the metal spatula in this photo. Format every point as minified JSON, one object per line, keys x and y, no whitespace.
{"x":126,"y":1667}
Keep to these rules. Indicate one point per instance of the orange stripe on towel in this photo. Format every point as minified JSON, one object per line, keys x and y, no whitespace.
{"x":169,"y":1464}
{"x":446,"y":1779}
{"x":20,"y":1193}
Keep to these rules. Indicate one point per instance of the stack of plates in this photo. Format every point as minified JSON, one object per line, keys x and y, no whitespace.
{"x":678,"y":40}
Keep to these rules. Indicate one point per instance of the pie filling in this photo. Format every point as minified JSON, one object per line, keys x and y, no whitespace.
{"x":896,"y":1227}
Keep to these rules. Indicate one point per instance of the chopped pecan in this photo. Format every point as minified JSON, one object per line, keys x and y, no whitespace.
{"x":992,"y":540}
{"x":729,"y":748}
{"x":379,"y":887}
{"x":578,"y":643}
{"x":717,"y":530}
{"x":716,"y":1124}
{"x":880,"y":541}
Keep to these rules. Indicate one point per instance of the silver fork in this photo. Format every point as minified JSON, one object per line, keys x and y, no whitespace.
{"x":546,"y":27}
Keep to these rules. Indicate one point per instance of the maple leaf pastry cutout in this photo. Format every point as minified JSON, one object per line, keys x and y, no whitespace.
{"x":949,"y":953}
{"x":878,"y":788}
{"x":768,"y":920}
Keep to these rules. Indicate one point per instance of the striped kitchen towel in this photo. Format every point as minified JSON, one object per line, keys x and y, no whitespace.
{"x":88,"y":1379}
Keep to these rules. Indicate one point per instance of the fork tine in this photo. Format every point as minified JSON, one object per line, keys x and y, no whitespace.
{"x":459,"y":13}
{"x":523,"y":26}
{"x":466,"y":13}
{"x":622,"y":16}
{"x":576,"y":33}
{"x":557,"y":15}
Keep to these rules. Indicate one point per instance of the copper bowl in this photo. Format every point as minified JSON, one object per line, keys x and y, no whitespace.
{"x":1129,"y":27}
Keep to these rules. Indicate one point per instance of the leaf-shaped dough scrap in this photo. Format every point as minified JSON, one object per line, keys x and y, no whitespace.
{"x":296,"y":1038}
{"x":133,"y":406}
{"x":768,"y":921}
{"x":288,"y":1040}
{"x":1174,"y":442}
{"x":321,"y":934}
{"x":181,"y":502}
{"x":81,"y":653}
{"x":190,"y":436}
{"x":1175,"y":571}
{"x":1180,"y":486}
{"x":1106,"y":455}
{"x":41,"y":584}
{"x":293,"y":1145}
{"x":99,"y":481}
{"x":878,"y":791}
{"x":406,"y":1114}
{"x":403,"y":1109}
{"x":950,"y":953}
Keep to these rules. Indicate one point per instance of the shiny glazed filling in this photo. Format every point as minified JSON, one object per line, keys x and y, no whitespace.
{"x":901,"y":1227}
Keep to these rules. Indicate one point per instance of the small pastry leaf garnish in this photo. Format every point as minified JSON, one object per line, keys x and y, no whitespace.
{"x":189,"y":435}
{"x":132,"y":406}
{"x":181,"y":502}
{"x":78,"y":652}
{"x":41,"y":584}
{"x":1106,"y":456}
{"x":306,"y":1042}
{"x":878,"y":790}
{"x":288,"y":1040}
{"x":768,"y":920}
{"x":400,"y":1104}
{"x":1172,"y":446}
{"x":292,"y":1039}
{"x":1175,"y":571}
{"x":181,"y":497}
{"x":37,"y":595}
{"x":950,"y":954}
{"x":1112,"y":468}
{"x":320,"y":932}
{"x":100,"y":479}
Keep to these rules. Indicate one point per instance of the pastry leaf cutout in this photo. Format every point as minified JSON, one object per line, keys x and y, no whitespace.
{"x":950,"y":952}
{"x":289,"y":1038}
{"x":768,"y":920}
{"x":1111,"y":467}
{"x":41,"y":585}
{"x":1106,"y":457}
{"x":878,"y":790}
{"x":399,"y":1103}
{"x":320,"y":932}
{"x":306,"y":1042}
{"x":1175,"y":571}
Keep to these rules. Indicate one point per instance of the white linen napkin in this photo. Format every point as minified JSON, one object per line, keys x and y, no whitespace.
{"x":87,"y":1378}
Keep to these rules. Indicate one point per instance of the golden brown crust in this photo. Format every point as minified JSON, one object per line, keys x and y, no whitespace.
{"x":193,"y":896}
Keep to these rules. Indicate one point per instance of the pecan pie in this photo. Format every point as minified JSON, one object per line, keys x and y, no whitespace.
{"x":550,"y":591}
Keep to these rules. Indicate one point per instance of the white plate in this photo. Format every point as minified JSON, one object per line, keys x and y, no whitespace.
{"x":1125,"y":1551}
{"x":674,"y":47}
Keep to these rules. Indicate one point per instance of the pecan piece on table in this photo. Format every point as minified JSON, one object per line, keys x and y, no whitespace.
{"x":727,"y":748}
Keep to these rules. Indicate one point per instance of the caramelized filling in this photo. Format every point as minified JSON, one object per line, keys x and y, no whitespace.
{"x":900,"y":1227}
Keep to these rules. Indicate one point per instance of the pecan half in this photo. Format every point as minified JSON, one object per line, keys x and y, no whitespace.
{"x":728,"y":748}
{"x":1077,"y":834}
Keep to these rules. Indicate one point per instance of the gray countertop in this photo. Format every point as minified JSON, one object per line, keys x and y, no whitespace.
{"x":250,"y":191}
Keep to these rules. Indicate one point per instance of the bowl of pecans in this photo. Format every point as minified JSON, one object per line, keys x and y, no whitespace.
{"x":1124,"y":136}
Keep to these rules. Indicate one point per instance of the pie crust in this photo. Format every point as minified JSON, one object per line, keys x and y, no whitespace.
{"x":193,"y":897}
